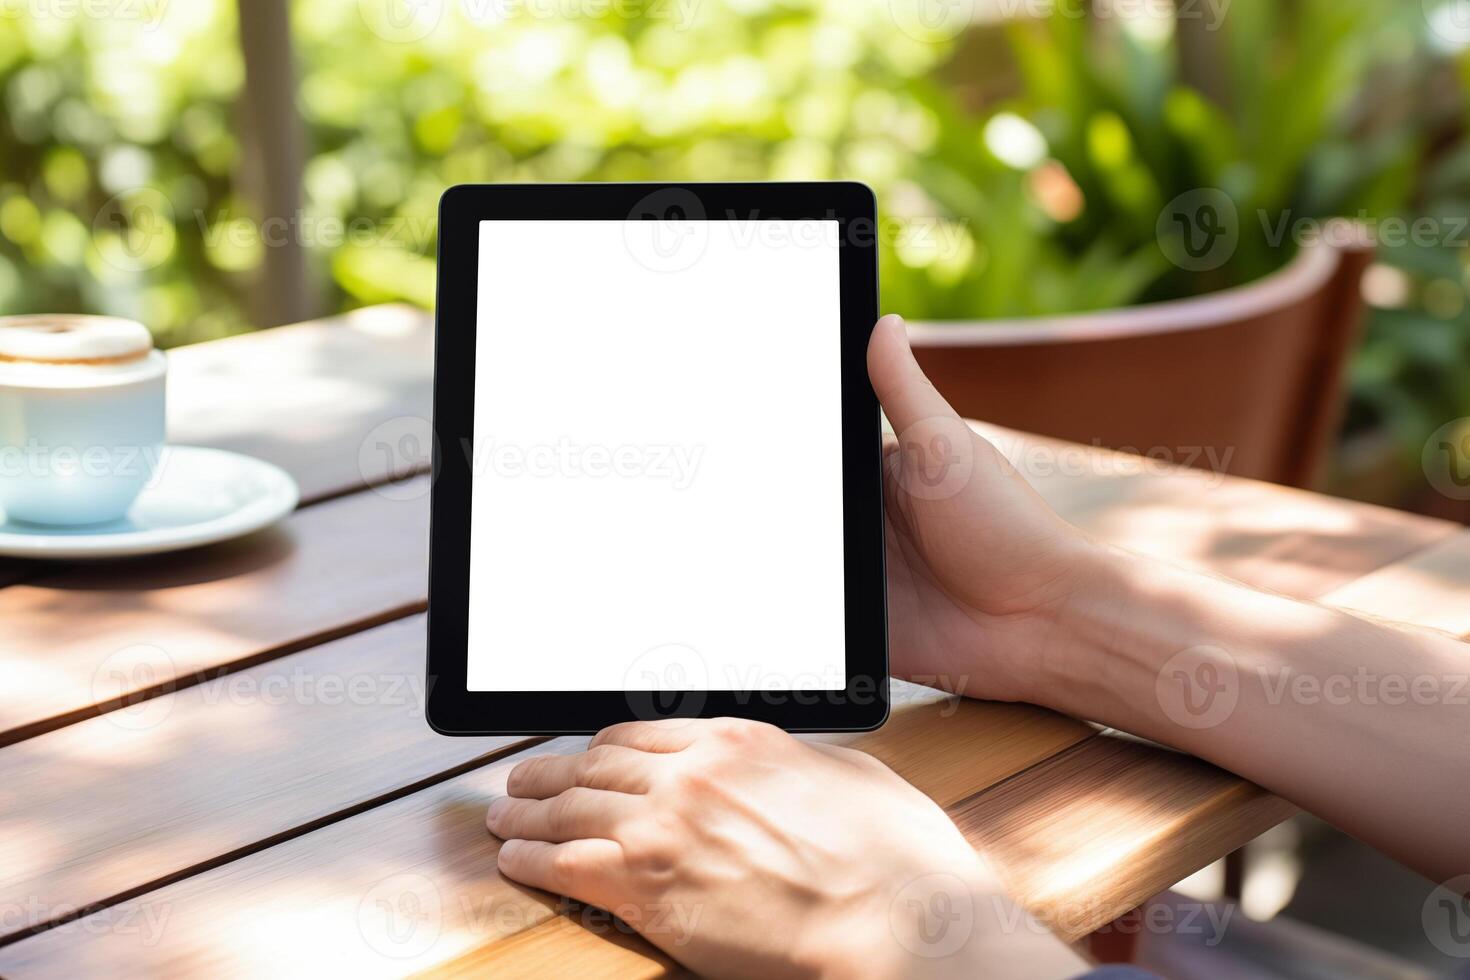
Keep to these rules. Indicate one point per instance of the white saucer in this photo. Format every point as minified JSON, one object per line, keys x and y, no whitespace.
{"x":199,"y":497}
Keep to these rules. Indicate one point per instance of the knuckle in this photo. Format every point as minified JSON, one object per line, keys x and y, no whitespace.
{"x":592,"y":767}
{"x":870,"y":762}
{"x":739,"y":732}
{"x":560,"y":810}
{"x":564,"y":864}
{"x":849,"y":754}
{"x":651,"y":846}
{"x":696,"y":781}
{"x":577,"y":796}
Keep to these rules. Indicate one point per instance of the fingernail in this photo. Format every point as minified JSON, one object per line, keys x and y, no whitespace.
{"x":900,"y":325}
{"x":508,"y":849}
{"x":497,"y":809}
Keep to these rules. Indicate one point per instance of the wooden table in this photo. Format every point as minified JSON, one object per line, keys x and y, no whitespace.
{"x":216,"y":761}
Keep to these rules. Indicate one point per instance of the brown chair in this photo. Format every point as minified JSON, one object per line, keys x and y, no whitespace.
{"x":1248,"y":380}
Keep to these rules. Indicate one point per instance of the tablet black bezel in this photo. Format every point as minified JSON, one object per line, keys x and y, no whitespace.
{"x":454,"y":710}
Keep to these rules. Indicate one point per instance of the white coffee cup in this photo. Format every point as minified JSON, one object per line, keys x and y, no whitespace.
{"x":81,"y":417}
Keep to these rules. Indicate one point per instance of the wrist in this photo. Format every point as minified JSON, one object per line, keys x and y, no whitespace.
{"x":1095,"y":660}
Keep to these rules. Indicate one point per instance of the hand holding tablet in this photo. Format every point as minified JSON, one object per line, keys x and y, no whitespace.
{"x":658,"y":473}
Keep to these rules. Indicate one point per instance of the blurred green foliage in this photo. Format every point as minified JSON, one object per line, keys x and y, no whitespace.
{"x":1023,"y":162}
{"x":97,"y":107}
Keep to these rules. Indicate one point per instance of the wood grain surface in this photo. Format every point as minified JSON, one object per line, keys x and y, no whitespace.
{"x":384,"y":893}
{"x":330,"y":401}
{"x":1290,"y":541}
{"x":1090,"y":833}
{"x":91,"y":636}
{"x":431,"y":842}
{"x":346,"y":720}
{"x":111,"y":805}
{"x":949,"y":747}
{"x":562,"y":947}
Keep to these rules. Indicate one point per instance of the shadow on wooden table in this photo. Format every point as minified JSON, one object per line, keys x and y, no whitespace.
{"x":228,"y":559}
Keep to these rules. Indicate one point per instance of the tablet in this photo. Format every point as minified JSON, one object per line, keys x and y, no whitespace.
{"x":657,"y":482}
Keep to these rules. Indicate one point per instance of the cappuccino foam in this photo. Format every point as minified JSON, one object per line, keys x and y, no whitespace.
{"x":65,"y":351}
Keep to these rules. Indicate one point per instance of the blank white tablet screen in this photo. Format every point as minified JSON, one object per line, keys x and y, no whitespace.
{"x":657,"y":461}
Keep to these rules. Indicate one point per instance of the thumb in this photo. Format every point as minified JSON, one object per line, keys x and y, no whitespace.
{"x":907,"y":396}
{"x":935,"y":448}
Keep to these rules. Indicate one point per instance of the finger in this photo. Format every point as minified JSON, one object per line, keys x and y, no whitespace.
{"x":572,"y":815}
{"x":663,"y":735}
{"x":907,"y":395}
{"x":586,"y":870}
{"x":933,"y":456}
{"x":611,"y":767}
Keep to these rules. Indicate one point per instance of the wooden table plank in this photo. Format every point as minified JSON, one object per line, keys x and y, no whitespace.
{"x":111,"y":805}
{"x":561,"y":947}
{"x":947,"y":749}
{"x":308,"y":396}
{"x":329,"y":569}
{"x":357,"y":898}
{"x":408,"y":836}
{"x":1091,"y":833}
{"x":121,"y":802}
{"x":1290,"y":541}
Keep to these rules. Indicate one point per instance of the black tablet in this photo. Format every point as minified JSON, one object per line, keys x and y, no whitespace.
{"x":657,"y":488}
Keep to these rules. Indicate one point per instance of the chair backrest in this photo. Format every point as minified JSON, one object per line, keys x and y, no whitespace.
{"x":1247,"y":380}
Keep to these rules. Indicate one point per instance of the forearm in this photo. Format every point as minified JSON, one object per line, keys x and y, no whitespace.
{"x":1360,"y":723}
